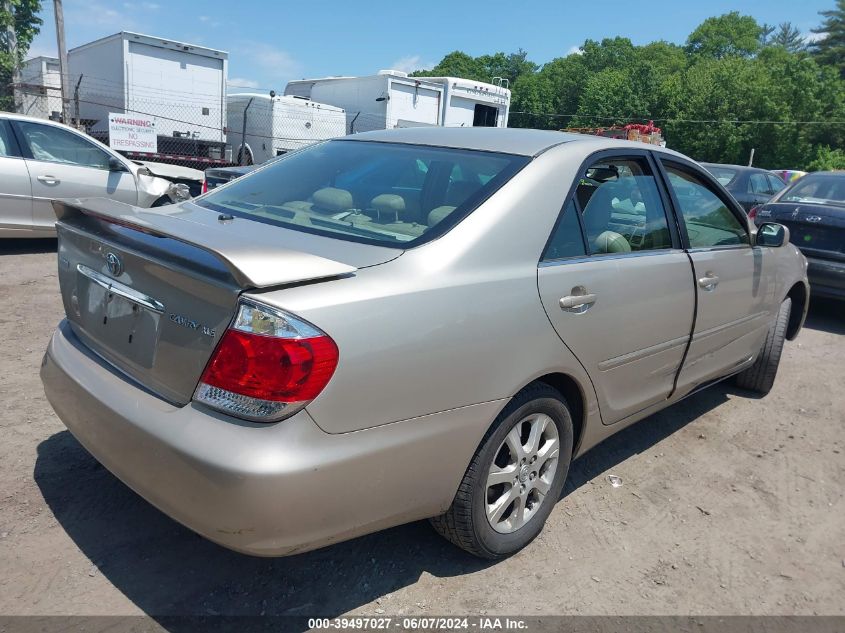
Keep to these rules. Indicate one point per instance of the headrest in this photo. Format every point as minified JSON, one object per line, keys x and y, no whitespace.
{"x":438,"y":214}
{"x":332,"y":200}
{"x":389,"y":206}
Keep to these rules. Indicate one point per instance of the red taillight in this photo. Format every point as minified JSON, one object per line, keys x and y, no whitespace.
{"x":205,"y":185}
{"x":753,"y":213}
{"x":267,"y":366}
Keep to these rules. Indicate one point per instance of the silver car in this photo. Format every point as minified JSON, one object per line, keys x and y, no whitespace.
{"x":43,"y":160}
{"x":406,"y":324}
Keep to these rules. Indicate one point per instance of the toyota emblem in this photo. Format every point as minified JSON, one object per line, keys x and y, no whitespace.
{"x":114,"y":264}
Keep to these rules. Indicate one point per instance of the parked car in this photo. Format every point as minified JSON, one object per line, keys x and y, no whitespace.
{"x":43,"y":160}
{"x":749,"y":185}
{"x":814,"y":210}
{"x":216,"y":176}
{"x":411,"y":323}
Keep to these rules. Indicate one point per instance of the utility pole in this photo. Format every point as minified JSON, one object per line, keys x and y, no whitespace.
{"x":12,"y":46}
{"x":63,"y":69}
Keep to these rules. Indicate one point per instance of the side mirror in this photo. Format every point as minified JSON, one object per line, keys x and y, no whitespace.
{"x":772,"y":234}
{"x":116,"y":165}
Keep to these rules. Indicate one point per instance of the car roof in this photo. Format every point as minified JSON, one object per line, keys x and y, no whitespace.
{"x":519,"y":141}
{"x":737,"y":167}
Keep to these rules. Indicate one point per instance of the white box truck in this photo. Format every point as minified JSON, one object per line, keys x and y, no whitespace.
{"x":265,"y":125}
{"x":376,"y":102}
{"x":182,"y":85}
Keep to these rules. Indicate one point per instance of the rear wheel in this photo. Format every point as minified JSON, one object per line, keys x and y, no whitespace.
{"x":515,"y":478}
{"x":760,"y":377}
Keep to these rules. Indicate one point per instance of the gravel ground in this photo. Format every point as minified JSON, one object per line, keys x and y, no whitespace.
{"x":729,"y":505}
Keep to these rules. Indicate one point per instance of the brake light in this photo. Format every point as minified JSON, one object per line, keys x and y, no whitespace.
{"x":268,"y":365}
{"x":205,"y":185}
{"x":753,"y":213}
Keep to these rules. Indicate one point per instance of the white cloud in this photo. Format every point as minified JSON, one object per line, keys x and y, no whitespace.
{"x":809,"y":38}
{"x":575,"y":50}
{"x":241,"y":82}
{"x":410,"y":63}
{"x":151,"y":6}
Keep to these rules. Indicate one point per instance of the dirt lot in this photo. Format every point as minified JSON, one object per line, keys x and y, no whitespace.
{"x":730,"y":505}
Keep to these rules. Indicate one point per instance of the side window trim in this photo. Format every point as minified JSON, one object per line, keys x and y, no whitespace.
{"x":683,"y":165}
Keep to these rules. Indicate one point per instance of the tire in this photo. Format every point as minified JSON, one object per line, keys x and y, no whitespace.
{"x":760,"y":377}
{"x":466,"y":523}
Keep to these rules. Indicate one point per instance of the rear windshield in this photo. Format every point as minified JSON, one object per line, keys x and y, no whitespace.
{"x":817,"y":190}
{"x":725,"y":175}
{"x":386,"y":194}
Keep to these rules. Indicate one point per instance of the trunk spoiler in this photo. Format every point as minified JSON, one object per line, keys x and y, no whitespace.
{"x":247,"y":249}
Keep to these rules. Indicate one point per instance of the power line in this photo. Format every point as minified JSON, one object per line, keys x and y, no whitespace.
{"x":673,"y":120}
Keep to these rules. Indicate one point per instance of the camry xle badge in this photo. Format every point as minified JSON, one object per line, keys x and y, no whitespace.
{"x":114,"y":264}
{"x":184,"y":321}
{"x":813,"y":218}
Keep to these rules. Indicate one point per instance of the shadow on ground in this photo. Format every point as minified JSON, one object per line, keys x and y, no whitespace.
{"x":165,"y":569}
{"x":826,"y":315}
{"x":27,"y":246}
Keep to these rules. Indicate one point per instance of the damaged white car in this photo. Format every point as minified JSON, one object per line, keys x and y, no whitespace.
{"x":41,"y":161}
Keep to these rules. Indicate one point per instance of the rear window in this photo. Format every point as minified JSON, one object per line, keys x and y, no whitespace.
{"x":386,"y":194}
{"x":817,"y":190}
{"x":725,"y":175}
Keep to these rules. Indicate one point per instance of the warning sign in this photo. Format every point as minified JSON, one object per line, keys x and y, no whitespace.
{"x":132,"y":133}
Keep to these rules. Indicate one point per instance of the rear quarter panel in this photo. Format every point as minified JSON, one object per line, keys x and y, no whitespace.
{"x":449,"y":324}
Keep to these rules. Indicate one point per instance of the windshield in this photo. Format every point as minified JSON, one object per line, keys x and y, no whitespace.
{"x":381,"y":193}
{"x":725,"y":175}
{"x":817,"y":190}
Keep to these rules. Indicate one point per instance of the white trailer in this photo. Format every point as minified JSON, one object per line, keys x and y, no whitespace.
{"x":376,"y":102}
{"x":469,"y":103}
{"x":393,"y":99}
{"x":278,"y":124}
{"x":182,"y":85}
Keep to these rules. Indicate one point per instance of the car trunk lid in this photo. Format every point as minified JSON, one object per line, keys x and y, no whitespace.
{"x":818,"y":230}
{"x":152,"y":290}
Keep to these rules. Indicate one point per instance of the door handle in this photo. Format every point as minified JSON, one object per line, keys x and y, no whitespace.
{"x":49,"y":180}
{"x":579,"y":301}
{"x":709,"y":281}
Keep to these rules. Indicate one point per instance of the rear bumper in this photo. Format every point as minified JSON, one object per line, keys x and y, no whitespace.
{"x":827,"y":278}
{"x":266,"y":490}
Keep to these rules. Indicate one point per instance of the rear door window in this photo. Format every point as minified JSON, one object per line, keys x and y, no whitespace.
{"x":759,"y":184}
{"x":8,"y":146}
{"x":621,"y":207}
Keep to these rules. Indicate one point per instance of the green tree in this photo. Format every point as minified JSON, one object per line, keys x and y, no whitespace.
{"x":24,"y":17}
{"x":827,"y":159}
{"x":789,"y":37}
{"x":830,"y":47}
{"x":456,"y":64}
{"x":484,"y":68}
{"x":727,"y":35}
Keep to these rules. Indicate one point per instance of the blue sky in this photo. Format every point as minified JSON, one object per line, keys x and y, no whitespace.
{"x":270,"y":43}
